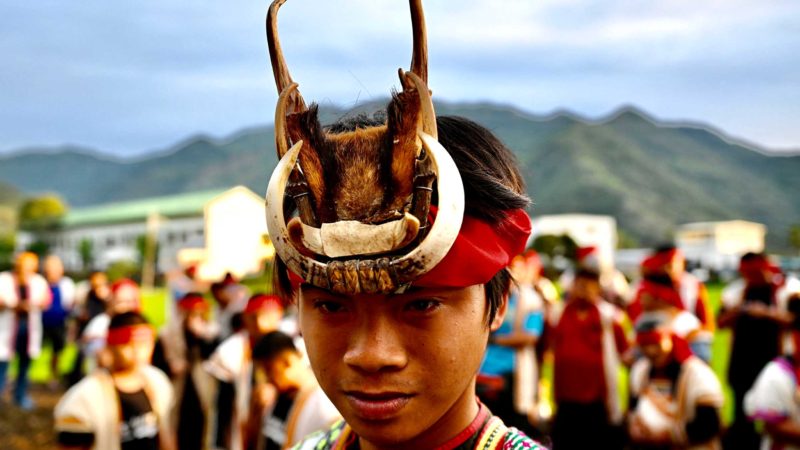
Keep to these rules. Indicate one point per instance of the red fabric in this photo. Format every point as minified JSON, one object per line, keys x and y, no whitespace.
{"x":582,"y":252}
{"x":478,"y":253}
{"x":193,"y":302}
{"x":578,"y":352}
{"x":119,"y":284}
{"x":649,"y":337}
{"x":756,"y":266}
{"x":657,"y":261}
{"x":261,"y":302}
{"x":125,"y":335}
{"x":680,"y":349}
{"x":663,"y":293}
{"x":476,"y":424}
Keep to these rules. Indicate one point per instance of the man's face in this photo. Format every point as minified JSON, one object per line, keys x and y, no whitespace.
{"x":26,"y":265}
{"x":398,"y":367}
{"x":283,"y":370}
{"x":658,"y":353}
{"x":125,"y":299}
{"x":53,"y":269}
{"x":136,"y":353}
{"x":263,"y":321}
{"x":586,"y":289}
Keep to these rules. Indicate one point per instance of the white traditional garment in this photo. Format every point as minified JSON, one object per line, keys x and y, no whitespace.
{"x":92,"y":406}
{"x":612,"y":360}
{"x":232,"y":362}
{"x":93,"y":338}
{"x":39,"y":298}
{"x":774,"y":398}
{"x":311,"y":411}
{"x":661,"y":411}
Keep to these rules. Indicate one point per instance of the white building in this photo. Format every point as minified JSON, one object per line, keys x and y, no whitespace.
{"x":213,"y":224}
{"x":585,"y":229}
{"x":718,"y":245}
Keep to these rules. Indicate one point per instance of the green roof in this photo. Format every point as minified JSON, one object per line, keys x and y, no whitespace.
{"x":180,"y":205}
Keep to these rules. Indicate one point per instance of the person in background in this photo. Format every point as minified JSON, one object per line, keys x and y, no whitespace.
{"x":91,"y":301}
{"x":675,"y":398}
{"x":231,"y":300}
{"x":772,"y":403}
{"x":54,"y":318}
{"x":755,"y":308}
{"x":23,"y":296}
{"x":183,"y":345}
{"x":587,"y":339}
{"x":232,"y":363}
{"x":124,"y":406}
{"x":125,"y":297}
{"x":295,"y":406}
{"x":508,"y":378}
{"x":615,"y":287}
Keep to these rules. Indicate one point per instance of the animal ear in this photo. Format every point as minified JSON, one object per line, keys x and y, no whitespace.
{"x":404,"y":121}
{"x":305,"y":126}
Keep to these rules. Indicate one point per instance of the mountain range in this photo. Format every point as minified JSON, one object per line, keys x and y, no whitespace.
{"x":649,"y":174}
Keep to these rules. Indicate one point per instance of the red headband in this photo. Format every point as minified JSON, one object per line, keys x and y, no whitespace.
{"x":125,"y":335}
{"x":119,"y":284}
{"x":261,"y":302}
{"x":480,"y":251}
{"x":662,"y":293}
{"x":680,"y":347}
{"x":193,"y":303}
{"x":657,"y":261}
{"x":756,"y":265}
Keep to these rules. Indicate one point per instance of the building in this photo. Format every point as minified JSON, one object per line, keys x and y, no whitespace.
{"x":719,"y":245}
{"x":219,"y":231}
{"x":585,"y":229}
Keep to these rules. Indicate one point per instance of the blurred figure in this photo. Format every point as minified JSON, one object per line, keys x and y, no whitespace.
{"x":125,"y":297}
{"x":23,"y":296}
{"x":124,"y":406}
{"x":773,"y":401}
{"x":292,"y":405}
{"x":54,"y":318}
{"x":667,"y":266}
{"x":232,"y":363}
{"x":675,"y":398}
{"x":231,"y":300}
{"x":615,"y":288}
{"x":754,"y":307}
{"x":183,"y":344}
{"x":587,"y":339}
{"x":508,"y":378}
{"x":657,"y":296}
{"x":91,"y":301}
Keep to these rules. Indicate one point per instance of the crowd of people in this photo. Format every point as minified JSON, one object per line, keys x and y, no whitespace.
{"x":229,"y":368}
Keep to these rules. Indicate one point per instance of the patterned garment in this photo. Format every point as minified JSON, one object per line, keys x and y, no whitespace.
{"x":489,"y":434}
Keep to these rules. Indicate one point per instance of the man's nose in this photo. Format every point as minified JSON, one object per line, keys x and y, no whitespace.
{"x":376,"y":345}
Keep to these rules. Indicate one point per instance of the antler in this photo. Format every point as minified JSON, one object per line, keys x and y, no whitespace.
{"x":283,"y":79}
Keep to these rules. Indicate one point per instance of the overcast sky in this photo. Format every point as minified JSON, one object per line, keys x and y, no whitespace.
{"x":134,"y":76}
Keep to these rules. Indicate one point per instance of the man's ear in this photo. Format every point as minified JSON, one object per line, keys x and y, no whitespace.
{"x":500,"y":314}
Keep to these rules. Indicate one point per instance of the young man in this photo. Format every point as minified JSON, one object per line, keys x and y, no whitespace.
{"x":300,"y":406}
{"x":588,"y":340}
{"x":125,"y":297}
{"x":183,"y":345}
{"x":54,"y":318}
{"x":232,"y":363}
{"x":23,"y":296}
{"x":398,"y":281}
{"x":125,"y":406}
{"x":92,"y":300}
{"x":755,"y":307}
{"x":676,"y":398}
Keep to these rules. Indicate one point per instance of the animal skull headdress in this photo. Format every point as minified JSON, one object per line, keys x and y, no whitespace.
{"x":363,"y":197}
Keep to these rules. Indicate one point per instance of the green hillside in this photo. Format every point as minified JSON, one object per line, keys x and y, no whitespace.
{"x":650,"y":175}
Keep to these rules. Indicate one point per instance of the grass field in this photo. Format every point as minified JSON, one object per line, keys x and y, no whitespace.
{"x":154,"y":308}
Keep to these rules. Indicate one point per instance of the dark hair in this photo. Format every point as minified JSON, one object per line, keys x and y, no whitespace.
{"x":127,"y":319}
{"x":588,"y":274}
{"x":271,"y":345}
{"x":660,"y":279}
{"x":666,"y":247}
{"x":493,"y":185}
{"x":752,"y":256}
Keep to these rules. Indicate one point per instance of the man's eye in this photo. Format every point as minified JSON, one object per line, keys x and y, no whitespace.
{"x":423,"y":305}
{"x":329,"y":307}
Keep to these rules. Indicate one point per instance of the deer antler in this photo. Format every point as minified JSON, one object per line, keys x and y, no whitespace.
{"x":283,"y":79}
{"x":419,"y":59}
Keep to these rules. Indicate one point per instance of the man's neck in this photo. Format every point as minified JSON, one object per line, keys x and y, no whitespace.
{"x":127,"y":380}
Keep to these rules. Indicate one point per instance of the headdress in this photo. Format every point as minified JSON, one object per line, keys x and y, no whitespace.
{"x":365,"y":222}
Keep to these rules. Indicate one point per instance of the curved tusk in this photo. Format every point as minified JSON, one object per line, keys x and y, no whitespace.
{"x":281,"y":138}
{"x":426,"y":105}
{"x":445,"y":228}
{"x":303,"y":266}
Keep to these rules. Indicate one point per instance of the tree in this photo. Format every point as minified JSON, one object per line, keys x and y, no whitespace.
{"x":86,"y":251}
{"x":39,"y":214}
{"x":7,"y":245}
{"x":794,"y":237}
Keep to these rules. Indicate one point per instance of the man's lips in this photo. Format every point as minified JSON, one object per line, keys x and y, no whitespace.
{"x":377,"y":405}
